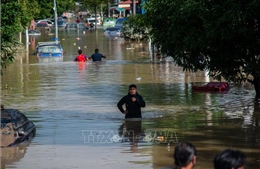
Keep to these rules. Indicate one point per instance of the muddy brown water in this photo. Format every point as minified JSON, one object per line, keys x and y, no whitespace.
{"x":79,"y":126}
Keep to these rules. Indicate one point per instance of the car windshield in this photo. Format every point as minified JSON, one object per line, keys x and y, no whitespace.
{"x":50,"y":49}
{"x":72,"y":26}
{"x":61,"y":22}
{"x":42,"y":24}
{"x":92,"y":21}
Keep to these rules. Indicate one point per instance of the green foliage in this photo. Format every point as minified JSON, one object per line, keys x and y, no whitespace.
{"x":92,"y":4}
{"x":46,"y":8}
{"x":135,"y":28}
{"x":63,"y":6}
{"x":11,"y":25}
{"x":16,"y":16}
{"x":219,"y":36}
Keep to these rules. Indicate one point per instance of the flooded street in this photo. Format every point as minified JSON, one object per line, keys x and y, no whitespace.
{"x":78,"y":125}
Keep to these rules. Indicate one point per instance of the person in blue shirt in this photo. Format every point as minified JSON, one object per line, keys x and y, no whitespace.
{"x":97,"y":56}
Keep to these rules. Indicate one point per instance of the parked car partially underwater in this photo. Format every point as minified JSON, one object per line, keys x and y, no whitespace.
{"x":43,"y":25}
{"x":34,"y":32}
{"x":49,"y":49}
{"x":113,"y":31}
{"x":75,"y":26}
{"x":108,"y":22}
{"x":16,"y":128}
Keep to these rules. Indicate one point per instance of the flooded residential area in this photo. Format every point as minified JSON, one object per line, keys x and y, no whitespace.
{"x":78,"y":125}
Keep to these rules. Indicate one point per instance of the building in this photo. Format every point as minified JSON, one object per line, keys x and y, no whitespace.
{"x":125,"y":8}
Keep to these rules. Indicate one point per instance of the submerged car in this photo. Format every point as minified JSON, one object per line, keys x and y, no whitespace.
{"x":93,"y":21}
{"x":43,"y":25}
{"x":15,"y":127}
{"x":75,"y":26}
{"x":49,"y":49}
{"x":61,"y":23}
{"x":50,"y":23}
{"x":120,"y":22}
{"x":108,"y":22}
{"x":113,"y":31}
{"x":34,"y":32}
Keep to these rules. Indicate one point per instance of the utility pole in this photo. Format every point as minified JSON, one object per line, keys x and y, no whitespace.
{"x":108,"y":9}
{"x":56,"y":22}
{"x":134,"y":7}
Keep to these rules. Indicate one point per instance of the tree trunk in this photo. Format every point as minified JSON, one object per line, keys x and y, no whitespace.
{"x":257,"y":85}
{"x":96,"y":17}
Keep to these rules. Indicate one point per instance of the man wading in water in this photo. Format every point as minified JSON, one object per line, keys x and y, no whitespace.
{"x":133,"y":102}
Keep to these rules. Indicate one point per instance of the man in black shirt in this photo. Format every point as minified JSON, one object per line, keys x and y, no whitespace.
{"x":133,"y":103}
{"x":97,"y":56}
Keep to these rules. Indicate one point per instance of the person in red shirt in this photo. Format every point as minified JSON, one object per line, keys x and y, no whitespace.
{"x":81,"y":57}
{"x":78,"y":20}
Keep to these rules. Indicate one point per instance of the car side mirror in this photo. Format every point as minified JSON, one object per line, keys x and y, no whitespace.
{"x":21,"y":133}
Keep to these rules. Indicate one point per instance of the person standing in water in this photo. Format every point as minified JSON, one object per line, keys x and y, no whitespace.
{"x":81,"y":57}
{"x":97,"y":56}
{"x":133,"y":103}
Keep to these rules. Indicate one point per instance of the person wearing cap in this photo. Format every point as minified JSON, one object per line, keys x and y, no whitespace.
{"x":81,"y":57}
{"x":133,"y":103}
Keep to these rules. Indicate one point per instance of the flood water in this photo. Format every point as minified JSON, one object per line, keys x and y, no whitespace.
{"x":73,"y":106}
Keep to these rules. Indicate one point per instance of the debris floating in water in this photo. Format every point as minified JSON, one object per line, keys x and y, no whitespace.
{"x":139,"y":78}
{"x":74,"y":44}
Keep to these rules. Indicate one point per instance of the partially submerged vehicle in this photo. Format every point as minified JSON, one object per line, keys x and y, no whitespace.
{"x":93,"y":21}
{"x":112,"y":31}
{"x":34,"y":32}
{"x":15,"y":127}
{"x":108,"y":22}
{"x":213,"y":87}
{"x":43,"y":25}
{"x":53,"y":50}
{"x":71,"y":26}
{"x":120,"y":22}
{"x":49,"y":49}
{"x":61,"y":24}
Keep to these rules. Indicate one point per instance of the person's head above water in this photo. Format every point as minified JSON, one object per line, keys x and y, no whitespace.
{"x":230,"y":159}
{"x":184,"y":155}
{"x":96,"y":50}
{"x":80,"y":51}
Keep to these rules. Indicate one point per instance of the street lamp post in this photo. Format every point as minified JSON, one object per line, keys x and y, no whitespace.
{"x":55,"y":20}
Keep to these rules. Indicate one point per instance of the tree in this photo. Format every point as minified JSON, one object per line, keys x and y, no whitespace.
{"x":15,"y":16}
{"x":94,"y":4}
{"x":46,"y":8}
{"x":222,"y":37}
{"x":135,"y":28}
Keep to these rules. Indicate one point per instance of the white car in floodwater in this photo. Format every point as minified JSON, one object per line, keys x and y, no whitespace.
{"x":112,"y":31}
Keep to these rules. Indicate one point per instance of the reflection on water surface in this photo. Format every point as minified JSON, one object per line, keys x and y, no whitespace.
{"x":68,"y":101}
